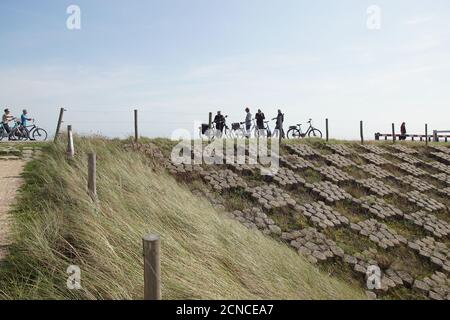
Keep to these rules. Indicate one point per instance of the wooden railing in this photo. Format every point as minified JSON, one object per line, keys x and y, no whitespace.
{"x":437,"y":134}
{"x":413,"y":137}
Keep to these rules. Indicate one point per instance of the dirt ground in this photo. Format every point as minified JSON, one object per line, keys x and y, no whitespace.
{"x":10,"y":181}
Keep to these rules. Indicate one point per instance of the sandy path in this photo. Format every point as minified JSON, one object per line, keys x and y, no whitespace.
{"x":10,"y":181}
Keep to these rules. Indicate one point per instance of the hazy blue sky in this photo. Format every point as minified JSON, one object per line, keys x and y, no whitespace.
{"x":177,"y":60}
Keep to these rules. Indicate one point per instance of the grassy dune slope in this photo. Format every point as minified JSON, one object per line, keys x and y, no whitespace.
{"x":204,"y":255}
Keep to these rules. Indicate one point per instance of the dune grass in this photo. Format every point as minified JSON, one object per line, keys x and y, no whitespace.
{"x":204,"y":254}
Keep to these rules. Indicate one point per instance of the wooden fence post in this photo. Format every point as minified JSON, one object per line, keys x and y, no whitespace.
{"x":361,"y":131}
{"x":58,"y":126}
{"x":70,"y":148}
{"x":136,"y":133}
{"x":281,"y":134}
{"x":209,"y":126}
{"x":426,"y":134}
{"x":92,"y":172}
{"x":326,"y":129}
{"x":393,"y":133}
{"x":152,"y":268}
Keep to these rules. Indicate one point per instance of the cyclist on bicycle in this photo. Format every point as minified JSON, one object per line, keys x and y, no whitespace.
{"x":7,"y":117}
{"x":23,"y":122}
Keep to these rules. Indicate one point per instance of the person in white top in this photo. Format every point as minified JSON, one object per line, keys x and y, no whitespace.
{"x":7,"y":117}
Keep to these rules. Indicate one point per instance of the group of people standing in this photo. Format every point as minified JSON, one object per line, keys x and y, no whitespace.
{"x":260,"y":118}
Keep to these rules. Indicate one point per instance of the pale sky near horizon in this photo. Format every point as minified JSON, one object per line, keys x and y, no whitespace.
{"x":177,"y":60}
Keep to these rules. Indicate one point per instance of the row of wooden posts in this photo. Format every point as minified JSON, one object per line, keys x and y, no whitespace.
{"x":361,"y":131}
{"x":327,"y":132}
{"x":150,"y":243}
{"x":210,"y":120}
{"x":60,"y":122}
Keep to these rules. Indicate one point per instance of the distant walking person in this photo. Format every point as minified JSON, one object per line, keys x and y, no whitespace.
{"x":279,"y":124}
{"x":7,"y":117}
{"x":248,"y":122}
{"x":219,"y":120}
{"x":403,"y":131}
{"x":260,"y":117}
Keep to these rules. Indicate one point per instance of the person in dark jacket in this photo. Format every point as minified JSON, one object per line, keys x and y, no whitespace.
{"x":260,"y":117}
{"x":279,"y":124}
{"x":219,"y":120}
{"x":403,"y":131}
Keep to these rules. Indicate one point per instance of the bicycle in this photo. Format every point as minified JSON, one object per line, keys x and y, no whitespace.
{"x":37,"y":134}
{"x":295,"y":132}
{"x":265,"y":132}
{"x":239,"y":130}
{"x":19,"y":132}
{"x":211,"y":133}
{"x":14,"y":134}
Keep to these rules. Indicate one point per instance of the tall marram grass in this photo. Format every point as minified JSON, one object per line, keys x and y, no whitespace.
{"x":204,"y":254}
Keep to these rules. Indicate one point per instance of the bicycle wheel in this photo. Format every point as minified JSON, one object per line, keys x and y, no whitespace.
{"x":23,"y":134}
{"x":258,"y":133}
{"x":235,"y":134}
{"x":20,"y":136}
{"x":262,"y":133}
{"x":228,"y":134}
{"x":2,"y":133}
{"x":39,"y":134}
{"x":208,"y":135}
{"x":14,"y":135}
{"x":238,"y":133}
{"x":315,"y":133}
{"x":294,"y":134}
